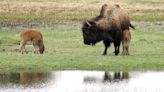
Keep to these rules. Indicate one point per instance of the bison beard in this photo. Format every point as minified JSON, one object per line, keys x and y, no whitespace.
{"x":107,"y":27}
{"x":93,"y":34}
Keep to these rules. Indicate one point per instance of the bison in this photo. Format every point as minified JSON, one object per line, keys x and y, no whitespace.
{"x":126,"y":42}
{"x":32,"y":35}
{"x":107,"y":27}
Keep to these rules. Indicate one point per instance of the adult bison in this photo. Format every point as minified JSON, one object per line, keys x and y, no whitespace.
{"x":107,"y":27}
{"x":32,"y":35}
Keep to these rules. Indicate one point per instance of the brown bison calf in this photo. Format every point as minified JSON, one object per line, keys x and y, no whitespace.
{"x":126,"y":41}
{"x":32,"y":35}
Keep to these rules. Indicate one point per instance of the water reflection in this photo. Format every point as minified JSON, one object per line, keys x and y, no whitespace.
{"x":82,"y":81}
{"x":108,"y":77}
{"x":116,"y":76}
{"x":23,"y":78}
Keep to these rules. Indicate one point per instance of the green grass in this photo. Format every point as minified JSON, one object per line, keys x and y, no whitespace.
{"x":65,"y":51}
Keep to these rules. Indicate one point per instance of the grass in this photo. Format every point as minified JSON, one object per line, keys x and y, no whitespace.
{"x":65,"y":51}
{"x":60,"y":22}
{"x":49,"y":11}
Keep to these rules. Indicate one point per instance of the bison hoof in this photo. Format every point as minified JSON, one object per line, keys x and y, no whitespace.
{"x":116,"y":53}
{"x":104,"y":54}
{"x":125,"y":54}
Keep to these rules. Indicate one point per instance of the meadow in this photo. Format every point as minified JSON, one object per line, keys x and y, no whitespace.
{"x":65,"y":51}
{"x":60,"y":23}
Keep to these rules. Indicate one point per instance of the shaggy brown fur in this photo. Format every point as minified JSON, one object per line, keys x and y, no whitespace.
{"x":32,"y":35}
{"x":107,"y":27}
{"x":126,"y":42}
{"x":114,"y":15}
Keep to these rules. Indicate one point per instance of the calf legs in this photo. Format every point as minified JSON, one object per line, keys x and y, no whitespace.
{"x":126,"y":41}
{"x":36,"y":47}
{"x":22,"y":46}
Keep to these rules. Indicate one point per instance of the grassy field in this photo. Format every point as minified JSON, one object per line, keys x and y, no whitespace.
{"x":65,"y":51}
{"x":49,"y":11}
{"x":60,"y":22}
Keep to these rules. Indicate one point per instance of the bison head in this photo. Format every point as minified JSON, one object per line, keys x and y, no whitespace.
{"x":41,"y":47}
{"x":90,"y":33}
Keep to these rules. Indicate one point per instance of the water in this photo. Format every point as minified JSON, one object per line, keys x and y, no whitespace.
{"x":82,"y":81}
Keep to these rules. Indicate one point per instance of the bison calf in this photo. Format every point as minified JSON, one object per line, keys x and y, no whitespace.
{"x":126,"y":41}
{"x":32,"y":35}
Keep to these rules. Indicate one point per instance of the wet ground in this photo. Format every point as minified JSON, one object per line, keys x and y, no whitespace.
{"x":82,"y":81}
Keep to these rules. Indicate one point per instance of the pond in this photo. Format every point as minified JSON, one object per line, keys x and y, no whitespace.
{"x":82,"y":81}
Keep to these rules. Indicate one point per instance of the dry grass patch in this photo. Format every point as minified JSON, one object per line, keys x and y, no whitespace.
{"x":20,"y":11}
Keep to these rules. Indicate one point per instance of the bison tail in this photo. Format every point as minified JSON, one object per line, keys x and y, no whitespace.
{"x":132,"y":26}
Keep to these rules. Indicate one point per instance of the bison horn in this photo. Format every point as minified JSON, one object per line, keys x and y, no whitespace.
{"x":89,"y":25}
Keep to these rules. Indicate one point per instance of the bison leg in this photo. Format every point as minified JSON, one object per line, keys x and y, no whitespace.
{"x":117,"y":41}
{"x":36,"y":51}
{"x":117,"y":46}
{"x":116,"y":49}
{"x":22,"y":46}
{"x":126,"y":41}
{"x":127,"y":48}
{"x":123,"y":48}
{"x":36,"y":47}
{"x":106,"y":44}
